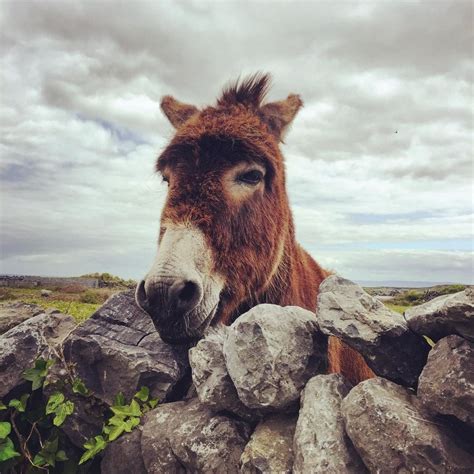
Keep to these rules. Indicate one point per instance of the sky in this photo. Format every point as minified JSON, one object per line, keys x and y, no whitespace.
{"x":379,"y":160}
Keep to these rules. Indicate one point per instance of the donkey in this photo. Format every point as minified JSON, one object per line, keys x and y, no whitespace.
{"x":227,"y":237}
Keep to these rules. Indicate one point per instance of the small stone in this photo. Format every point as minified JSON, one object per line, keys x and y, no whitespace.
{"x":380,"y":335}
{"x":446,"y":384}
{"x":270,"y":448}
{"x":394,"y":433}
{"x":321,"y":443}
{"x":46,"y":293}
{"x":445,"y":315}
{"x":187,"y":437}
{"x":213,"y":384}
{"x":271,"y":352}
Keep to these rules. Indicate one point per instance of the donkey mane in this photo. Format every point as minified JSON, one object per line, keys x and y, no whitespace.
{"x":250,"y":91}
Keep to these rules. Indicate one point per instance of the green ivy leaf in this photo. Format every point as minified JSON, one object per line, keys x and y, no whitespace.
{"x":19,"y":405}
{"x":5,"y":429}
{"x":49,"y":454}
{"x":116,"y":420}
{"x":61,"y":456}
{"x":128,"y":410}
{"x":143,"y":394}
{"x":116,"y":431}
{"x":119,"y":400}
{"x":93,"y":446}
{"x":2,"y":406}
{"x":37,"y":374}
{"x":62,"y":412}
{"x":54,"y":401}
{"x":7,"y":450}
{"x":153,"y":402}
{"x":79,"y":387}
{"x":131,"y":423}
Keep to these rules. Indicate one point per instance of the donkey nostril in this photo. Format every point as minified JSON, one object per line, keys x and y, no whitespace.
{"x":188,"y":292}
{"x":184,"y":294}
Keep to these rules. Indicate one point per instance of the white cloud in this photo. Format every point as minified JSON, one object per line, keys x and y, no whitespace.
{"x":379,"y":161}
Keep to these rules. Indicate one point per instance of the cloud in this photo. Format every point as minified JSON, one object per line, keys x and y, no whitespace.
{"x":379,"y":161}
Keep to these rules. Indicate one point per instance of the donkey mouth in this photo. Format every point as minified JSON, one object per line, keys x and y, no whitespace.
{"x":181,"y":331}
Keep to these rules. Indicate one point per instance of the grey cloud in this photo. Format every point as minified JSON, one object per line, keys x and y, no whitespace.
{"x":386,"y":127}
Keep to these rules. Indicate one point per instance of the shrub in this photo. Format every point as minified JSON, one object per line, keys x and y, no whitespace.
{"x":91,"y":297}
{"x":74,"y":288}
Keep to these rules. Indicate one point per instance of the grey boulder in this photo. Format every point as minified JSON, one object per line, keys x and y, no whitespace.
{"x":271,"y":352}
{"x":444,"y":315}
{"x":124,"y":455}
{"x":213,"y":384}
{"x":23,"y":344}
{"x":118,"y":350}
{"x":394,"y":433}
{"x":382,"y":336}
{"x":187,"y":437}
{"x":446,"y":384}
{"x":270,"y":448}
{"x":321,"y":443}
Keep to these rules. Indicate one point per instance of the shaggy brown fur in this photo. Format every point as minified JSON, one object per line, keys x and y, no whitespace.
{"x":253,"y":242}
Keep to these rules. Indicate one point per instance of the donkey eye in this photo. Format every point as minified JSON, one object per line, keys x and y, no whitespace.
{"x":250,"y":177}
{"x":165,"y":179}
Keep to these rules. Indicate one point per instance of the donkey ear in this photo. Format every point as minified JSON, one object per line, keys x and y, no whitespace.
{"x":176,"y":111}
{"x":279,"y":115}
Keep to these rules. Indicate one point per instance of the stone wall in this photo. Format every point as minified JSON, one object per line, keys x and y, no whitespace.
{"x":28,"y":281}
{"x":261,"y":399}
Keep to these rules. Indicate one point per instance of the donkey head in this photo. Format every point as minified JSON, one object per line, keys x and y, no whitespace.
{"x":226,"y":219}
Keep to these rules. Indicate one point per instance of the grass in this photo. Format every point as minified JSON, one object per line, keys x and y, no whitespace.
{"x":79,"y":311}
{"x":80,"y":303}
{"x":397,"y":307}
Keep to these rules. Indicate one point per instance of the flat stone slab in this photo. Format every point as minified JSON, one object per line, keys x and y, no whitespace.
{"x":321,"y":443}
{"x":393,"y":432}
{"x":271,"y":352}
{"x":446,"y":384}
{"x":380,"y":335}
{"x":444,"y":315}
{"x":118,"y":350}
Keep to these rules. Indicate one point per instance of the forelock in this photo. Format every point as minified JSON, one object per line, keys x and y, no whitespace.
{"x":250,"y":91}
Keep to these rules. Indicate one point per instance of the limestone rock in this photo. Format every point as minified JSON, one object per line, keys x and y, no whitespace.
{"x":46,"y":293}
{"x":394,"y":433}
{"x":446,"y":384}
{"x":271,"y":352}
{"x":445,"y":315}
{"x":12,"y":314}
{"x":270,"y":448}
{"x":118,"y":350}
{"x":124,"y":456}
{"x":187,"y":437}
{"x":213,"y":384}
{"x":382,"y":336}
{"x":321,"y":443}
{"x":24,"y":343}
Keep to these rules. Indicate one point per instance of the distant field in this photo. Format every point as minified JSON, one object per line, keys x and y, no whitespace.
{"x":76,"y":301}
{"x":81,"y":302}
